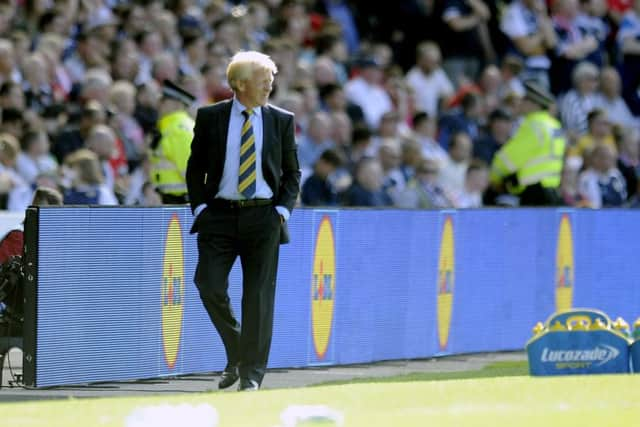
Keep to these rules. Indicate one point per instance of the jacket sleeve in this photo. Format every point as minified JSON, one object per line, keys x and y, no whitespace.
{"x":511,"y":156}
{"x":196,"y":165}
{"x":290,"y":179}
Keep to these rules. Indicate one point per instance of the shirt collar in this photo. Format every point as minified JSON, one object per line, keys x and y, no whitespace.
{"x":238,"y":108}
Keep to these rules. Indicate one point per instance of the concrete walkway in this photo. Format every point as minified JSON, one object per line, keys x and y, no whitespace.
{"x":275,"y":378}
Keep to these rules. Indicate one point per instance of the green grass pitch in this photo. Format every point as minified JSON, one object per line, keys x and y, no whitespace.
{"x":499,"y":395}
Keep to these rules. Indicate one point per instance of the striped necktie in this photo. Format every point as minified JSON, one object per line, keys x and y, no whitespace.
{"x":247,"y":173}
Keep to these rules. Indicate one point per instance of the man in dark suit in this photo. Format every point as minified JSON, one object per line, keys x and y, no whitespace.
{"x":243,"y":179}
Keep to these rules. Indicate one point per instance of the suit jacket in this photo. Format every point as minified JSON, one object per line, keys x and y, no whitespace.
{"x":280,"y":167}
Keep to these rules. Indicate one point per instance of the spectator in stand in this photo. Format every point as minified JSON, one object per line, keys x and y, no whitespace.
{"x":628,"y":143}
{"x":310,"y":101}
{"x":88,"y":54}
{"x":122,"y":101}
{"x":147,"y":102}
{"x":150,"y":45}
{"x":424,"y":128}
{"x":319,"y":189}
{"x":51,"y":47}
{"x":125,"y":60}
{"x":402,"y":98}
{"x":194,"y":55}
{"x":141,"y":191}
{"x":37,"y":89}
{"x":102,"y":22}
{"x":610,"y":100}
{"x":411,"y":158}
{"x":424,"y":191}
{"x":316,"y":140}
{"x":367,"y":188}
{"x":594,"y":20}
{"x":343,"y":13}
{"x":13,"y":122}
{"x":366,"y":91}
{"x":498,"y":132}
{"x":84,"y":181}
{"x":530,"y":32}
{"x":342,"y":129}
{"x":35,"y":157}
{"x":102,"y":141}
{"x":390,"y":128}
{"x":215,"y":81}
{"x":332,"y":51}
{"x":14,"y":190}
{"x":452,"y":174}
{"x":12,"y":96}
{"x":464,"y":38}
{"x":73,"y":136}
{"x":601,"y":184}
{"x":361,"y":147}
{"x":628,"y":44}
{"x":476,"y":182}
{"x":599,"y":132}
{"x":510,"y":70}
{"x":466,"y":118}
{"x":173,"y":30}
{"x":9,"y":69}
{"x":579,"y":101}
{"x":164,"y":66}
{"x":333,"y":99}
{"x":95,"y":86}
{"x":390,"y":156}
{"x":569,"y":191}
{"x":430,"y":84}
{"x":574,"y":45}
{"x":490,"y":85}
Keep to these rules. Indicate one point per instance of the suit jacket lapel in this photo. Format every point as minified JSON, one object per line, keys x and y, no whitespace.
{"x":267,"y":133}
{"x":223,"y":130}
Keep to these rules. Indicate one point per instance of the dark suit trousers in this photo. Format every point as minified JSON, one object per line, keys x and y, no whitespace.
{"x":253,"y":234}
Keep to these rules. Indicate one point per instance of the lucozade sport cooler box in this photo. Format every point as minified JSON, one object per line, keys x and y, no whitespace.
{"x":578,"y":341}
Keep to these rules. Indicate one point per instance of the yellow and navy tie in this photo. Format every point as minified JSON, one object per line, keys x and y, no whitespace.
{"x":247,"y":173}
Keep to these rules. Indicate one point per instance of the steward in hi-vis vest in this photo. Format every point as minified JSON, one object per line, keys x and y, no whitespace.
{"x":530,"y":164}
{"x":171,"y":147}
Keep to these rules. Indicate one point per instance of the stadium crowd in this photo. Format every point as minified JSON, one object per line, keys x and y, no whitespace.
{"x":396,"y":105}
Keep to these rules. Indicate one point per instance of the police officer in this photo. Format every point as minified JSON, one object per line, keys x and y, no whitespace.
{"x":171,"y":146}
{"x":529,"y":165}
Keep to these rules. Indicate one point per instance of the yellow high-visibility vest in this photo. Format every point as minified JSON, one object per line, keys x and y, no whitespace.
{"x":169,"y":158}
{"x":535,"y":153}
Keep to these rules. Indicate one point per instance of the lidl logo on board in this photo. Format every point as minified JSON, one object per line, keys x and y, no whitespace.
{"x":564,"y":266}
{"x":323,"y":286}
{"x":172,"y":292}
{"x":446,"y":280}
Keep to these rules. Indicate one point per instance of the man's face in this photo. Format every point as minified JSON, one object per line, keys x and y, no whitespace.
{"x":256,"y":89}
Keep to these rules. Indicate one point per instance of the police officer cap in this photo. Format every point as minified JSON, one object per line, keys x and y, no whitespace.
{"x":538,"y":94}
{"x":173,"y":91}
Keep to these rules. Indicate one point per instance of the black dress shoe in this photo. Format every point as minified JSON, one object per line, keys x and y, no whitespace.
{"x":228,"y":378}
{"x":248,"y":385}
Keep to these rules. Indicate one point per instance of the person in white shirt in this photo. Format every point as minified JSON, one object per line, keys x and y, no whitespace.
{"x":366,"y":91}
{"x":476,"y":183}
{"x":428,"y":80}
{"x":424,"y":128}
{"x":35,"y":158}
{"x":452,"y":174}
{"x":609,"y":99}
